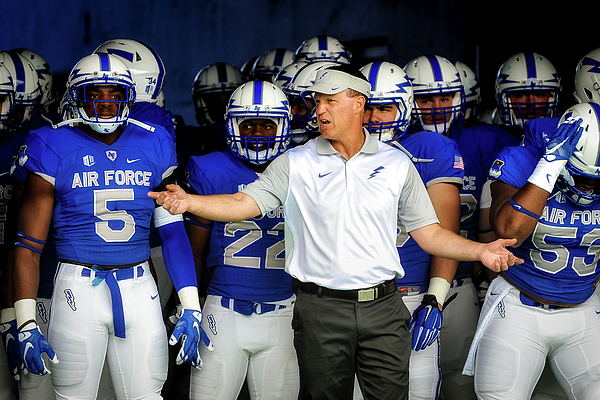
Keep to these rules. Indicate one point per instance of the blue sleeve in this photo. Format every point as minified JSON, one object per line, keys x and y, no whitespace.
{"x":514,"y":165}
{"x":177,"y":253}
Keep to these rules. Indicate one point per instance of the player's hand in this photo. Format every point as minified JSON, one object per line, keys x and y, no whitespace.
{"x":562,"y":144}
{"x":189,"y":331}
{"x":8,"y":331}
{"x":174,"y":199}
{"x":32,"y":344}
{"x":496,"y":257}
{"x":425,"y":323}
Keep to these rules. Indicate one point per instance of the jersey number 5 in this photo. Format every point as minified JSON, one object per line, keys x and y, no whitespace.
{"x":103,"y":229}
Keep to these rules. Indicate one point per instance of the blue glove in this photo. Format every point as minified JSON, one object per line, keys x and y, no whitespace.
{"x":425,"y":323}
{"x":31,"y":346}
{"x":562,"y":144}
{"x":8,"y":331}
{"x":189,"y":330}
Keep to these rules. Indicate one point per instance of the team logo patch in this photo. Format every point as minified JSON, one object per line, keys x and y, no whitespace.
{"x":111,"y":154}
{"x":212,"y":324}
{"x":42,"y":312}
{"x":88,"y":160}
{"x":496,"y":169}
{"x":501,"y":309}
{"x":70,"y":299}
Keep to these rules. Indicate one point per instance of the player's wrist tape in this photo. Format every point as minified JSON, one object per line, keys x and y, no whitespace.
{"x":7,"y":314}
{"x":546,"y":173}
{"x":25,"y":313}
{"x":522,"y":209}
{"x":189,"y":297}
{"x":438,"y":287}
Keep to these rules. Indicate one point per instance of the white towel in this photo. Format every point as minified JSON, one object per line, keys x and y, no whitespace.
{"x":500,"y":288}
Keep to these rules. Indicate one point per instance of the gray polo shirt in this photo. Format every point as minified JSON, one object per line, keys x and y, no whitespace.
{"x":342,"y":215}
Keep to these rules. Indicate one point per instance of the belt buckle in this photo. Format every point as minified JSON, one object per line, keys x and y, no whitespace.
{"x":367,"y":294}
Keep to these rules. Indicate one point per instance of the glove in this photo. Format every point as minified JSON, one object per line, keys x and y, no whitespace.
{"x":31,"y":346}
{"x":558,"y":150}
{"x":189,"y":330}
{"x":425,"y":323}
{"x":8,"y":331}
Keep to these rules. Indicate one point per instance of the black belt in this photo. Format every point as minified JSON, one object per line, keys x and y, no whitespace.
{"x":360,"y":295}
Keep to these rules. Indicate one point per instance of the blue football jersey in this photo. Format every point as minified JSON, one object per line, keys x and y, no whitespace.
{"x":478,"y":146}
{"x":437,"y":160}
{"x":102,"y":213}
{"x":539,"y":130}
{"x":506,"y":135}
{"x":9,"y":147}
{"x":561,"y":254}
{"x":246,"y":259}
{"x":145,"y":111}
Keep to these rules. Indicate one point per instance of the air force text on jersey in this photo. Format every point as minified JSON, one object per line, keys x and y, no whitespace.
{"x":111,"y":177}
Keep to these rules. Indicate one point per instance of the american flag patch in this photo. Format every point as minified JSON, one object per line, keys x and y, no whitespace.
{"x":458,"y":163}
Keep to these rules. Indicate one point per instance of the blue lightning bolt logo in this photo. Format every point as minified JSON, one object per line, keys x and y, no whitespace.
{"x":70,"y":299}
{"x":594,"y":64}
{"x":375,"y":172}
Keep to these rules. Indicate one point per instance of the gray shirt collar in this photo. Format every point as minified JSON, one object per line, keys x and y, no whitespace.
{"x":324,"y":147}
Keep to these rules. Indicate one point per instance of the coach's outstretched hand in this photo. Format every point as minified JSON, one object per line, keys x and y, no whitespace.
{"x":174,"y":199}
{"x":189,"y":331}
{"x":496,"y":257}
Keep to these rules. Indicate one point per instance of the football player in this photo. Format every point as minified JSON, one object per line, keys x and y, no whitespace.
{"x":439,"y":106}
{"x":249,"y":300}
{"x":91,"y":182}
{"x":544,"y":197}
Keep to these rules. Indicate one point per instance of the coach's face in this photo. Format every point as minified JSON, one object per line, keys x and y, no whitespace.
{"x":337,"y":113}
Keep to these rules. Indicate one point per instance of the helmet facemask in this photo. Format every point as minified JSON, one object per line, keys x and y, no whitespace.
{"x":83,"y":99}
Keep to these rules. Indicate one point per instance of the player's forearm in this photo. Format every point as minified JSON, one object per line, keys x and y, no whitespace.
{"x":26,"y":274}
{"x":223,"y":207}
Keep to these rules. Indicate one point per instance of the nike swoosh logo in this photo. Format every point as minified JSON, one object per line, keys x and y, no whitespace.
{"x":597,"y":312}
{"x":324,"y":175}
{"x":132,"y":161}
{"x":153,"y":297}
{"x":335,"y":88}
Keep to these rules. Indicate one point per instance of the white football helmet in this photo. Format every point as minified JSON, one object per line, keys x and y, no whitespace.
{"x":526,"y":72}
{"x":587,"y":78}
{"x":28,"y":91}
{"x":323,"y":48}
{"x":585,"y":160}
{"x":389,"y":85}
{"x":44,"y":75}
{"x":268,"y":64}
{"x":471,"y":87}
{"x":285,"y":74}
{"x":258,"y":100}
{"x":305,"y":122}
{"x":213,"y":85}
{"x":100,"y":69}
{"x":435,"y":75}
{"x":7,"y":98}
{"x":145,"y":65}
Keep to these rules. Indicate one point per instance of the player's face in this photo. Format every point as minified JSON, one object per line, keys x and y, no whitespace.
{"x":587,"y":185}
{"x":529,"y":104}
{"x":103,"y":101}
{"x":431,"y":107}
{"x":300,"y":107}
{"x":258,"y":128}
{"x":378,"y":113}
